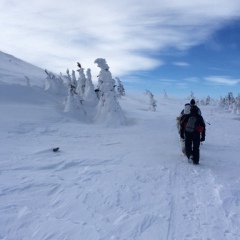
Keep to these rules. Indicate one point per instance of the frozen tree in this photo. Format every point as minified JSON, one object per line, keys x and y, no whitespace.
{"x":68,"y":77}
{"x":152,"y":101}
{"x":81,"y":82}
{"x":120,"y":88}
{"x":74,"y":103}
{"x":74,"y":80}
{"x":165,"y":94}
{"x":192,"y":95}
{"x":208,"y":100}
{"x":108,"y":108}
{"x":90,"y":94}
{"x":230,"y":99}
{"x":27,"y":81}
{"x":72,"y":85}
{"x":222,"y":102}
{"x":238,"y":104}
{"x":54,"y":84}
{"x":105,"y":75}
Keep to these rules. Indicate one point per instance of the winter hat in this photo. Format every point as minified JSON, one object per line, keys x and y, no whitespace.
{"x":192,"y":102}
{"x":194,"y":110}
{"x":187,"y":109}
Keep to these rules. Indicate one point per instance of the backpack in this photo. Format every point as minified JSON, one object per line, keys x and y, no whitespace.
{"x":191,"y":124}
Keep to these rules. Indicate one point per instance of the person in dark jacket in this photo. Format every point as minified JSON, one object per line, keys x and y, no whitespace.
{"x":193,"y":103}
{"x":194,"y":137}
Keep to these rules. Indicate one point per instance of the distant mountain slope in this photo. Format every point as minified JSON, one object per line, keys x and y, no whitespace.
{"x":14,"y":70}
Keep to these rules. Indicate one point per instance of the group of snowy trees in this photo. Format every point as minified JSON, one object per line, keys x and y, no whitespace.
{"x":230,"y":102}
{"x":202,"y":102}
{"x":85,"y":102}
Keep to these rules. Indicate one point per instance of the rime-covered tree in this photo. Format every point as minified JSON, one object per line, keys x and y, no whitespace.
{"x":74,"y":102}
{"x":165,"y":94}
{"x":74,"y":80}
{"x":208,"y":100}
{"x":54,"y":84}
{"x":81,"y":82}
{"x":192,"y":95}
{"x":238,"y":104}
{"x":108,"y":110}
{"x":27,"y":81}
{"x":89,"y":93}
{"x":152,"y":101}
{"x":120,"y":88}
{"x":230,"y":98}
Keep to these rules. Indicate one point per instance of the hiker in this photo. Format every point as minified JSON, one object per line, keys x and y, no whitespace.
{"x":193,"y":103}
{"x":192,"y":129}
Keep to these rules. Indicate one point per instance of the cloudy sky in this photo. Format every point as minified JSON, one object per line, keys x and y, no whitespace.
{"x":177,"y":45}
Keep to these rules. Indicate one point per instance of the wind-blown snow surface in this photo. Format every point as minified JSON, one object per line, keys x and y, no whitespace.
{"x":129,"y":182}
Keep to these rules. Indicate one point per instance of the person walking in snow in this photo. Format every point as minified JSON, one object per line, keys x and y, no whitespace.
{"x":192,"y":129}
{"x":184,"y":112}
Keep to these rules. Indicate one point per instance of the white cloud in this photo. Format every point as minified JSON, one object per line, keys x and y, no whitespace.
{"x":55,"y":34}
{"x":192,"y":80}
{"x":222,"y":80}
{"x":181,"y":64}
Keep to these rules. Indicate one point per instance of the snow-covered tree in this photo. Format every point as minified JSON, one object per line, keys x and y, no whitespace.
{"x":74,"y":80}
{"x":152,"y":101}
{"x":108,"y":110}
{"x":192,"y":95}
{"x":120,"y":88}
{"x":74,"y":102}
{"x":208,"y":100}
{"x":27,"y":81}
{"x":238,"y":104}
{"x":89,"y":93}
{"x":54,"y":84}
{"x":81,"y":82}
{"x":165,"y":94}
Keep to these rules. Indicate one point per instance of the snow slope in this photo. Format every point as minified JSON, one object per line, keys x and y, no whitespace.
{"x":129,"y":182}
{"x":14,"y":70}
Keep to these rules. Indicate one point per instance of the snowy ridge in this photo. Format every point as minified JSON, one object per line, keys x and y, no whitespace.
{"x":129,"y":182}
{"x":14,"y":70}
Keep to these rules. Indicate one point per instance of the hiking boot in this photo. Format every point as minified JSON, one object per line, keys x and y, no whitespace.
{"x":190,"y":159}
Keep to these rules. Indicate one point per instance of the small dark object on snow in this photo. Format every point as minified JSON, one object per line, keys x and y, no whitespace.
{"x":79,"y":65}
{"x":55,"y":149}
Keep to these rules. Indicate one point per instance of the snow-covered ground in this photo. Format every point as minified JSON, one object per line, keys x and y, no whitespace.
{"x":113,"y":183}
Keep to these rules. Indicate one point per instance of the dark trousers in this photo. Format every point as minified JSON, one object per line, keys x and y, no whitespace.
{"x":192,"y":144}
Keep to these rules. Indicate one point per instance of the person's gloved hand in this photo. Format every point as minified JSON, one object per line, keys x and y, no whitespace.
{"x":202,"y":139}
{"x":182,"y":135}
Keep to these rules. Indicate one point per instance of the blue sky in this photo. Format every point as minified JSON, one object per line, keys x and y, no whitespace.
{"x":176,"y":45}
